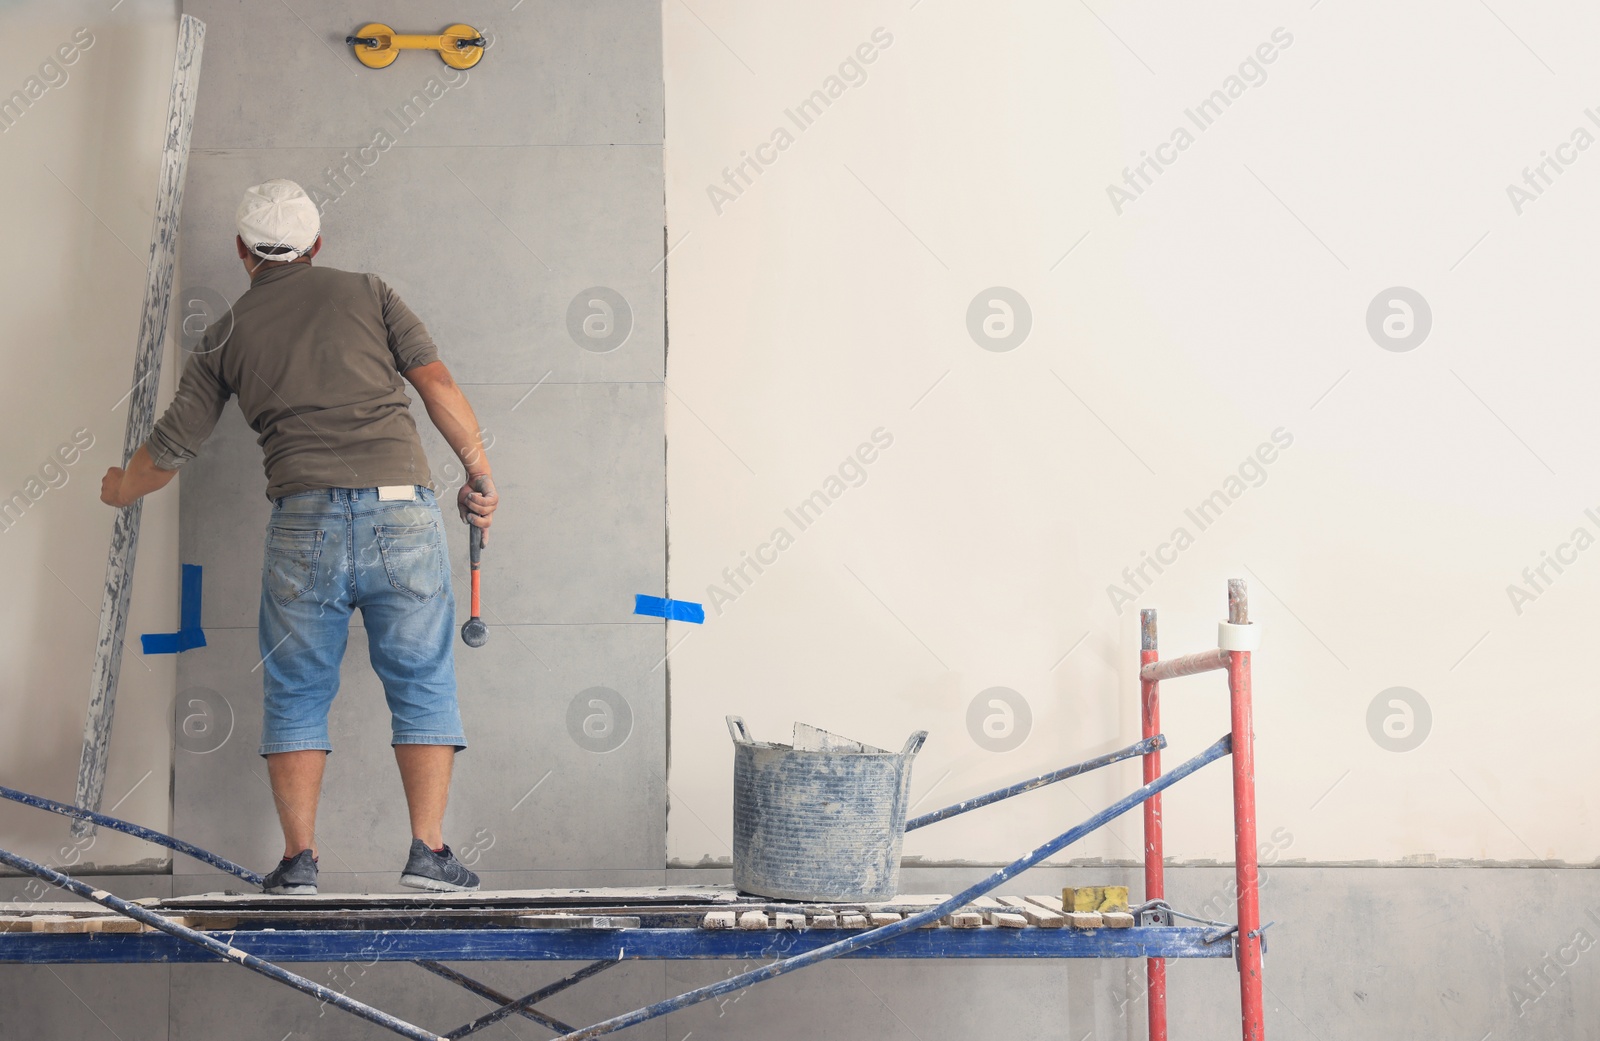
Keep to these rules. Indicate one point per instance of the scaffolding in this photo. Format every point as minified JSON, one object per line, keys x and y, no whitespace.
{"x":605,"y":927}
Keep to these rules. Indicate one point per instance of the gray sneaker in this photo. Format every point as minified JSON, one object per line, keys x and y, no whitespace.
{"x":295,"y":876}
{"x":438,"y":872}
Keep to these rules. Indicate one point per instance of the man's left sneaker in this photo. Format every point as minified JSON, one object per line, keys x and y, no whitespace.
{"x":294,"y":876}
{"x":438,"y":872}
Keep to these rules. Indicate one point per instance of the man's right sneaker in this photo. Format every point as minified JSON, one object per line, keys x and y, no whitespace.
{"x":296,"y":876}
{"x":439,"y":872}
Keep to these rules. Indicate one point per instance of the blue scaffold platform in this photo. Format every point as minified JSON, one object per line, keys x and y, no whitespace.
{"x":668,"y":924}
{"x":607,"y":927}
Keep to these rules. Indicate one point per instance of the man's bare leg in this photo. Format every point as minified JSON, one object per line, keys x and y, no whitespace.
{"x":296,"y":787}
{"x":425,"y":772}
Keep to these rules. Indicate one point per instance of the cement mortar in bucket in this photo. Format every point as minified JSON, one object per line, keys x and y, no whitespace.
{"x":822,"y":819}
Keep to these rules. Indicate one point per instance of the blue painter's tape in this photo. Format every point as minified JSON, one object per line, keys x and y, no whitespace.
{"x":189,"y":634}
{"x":679,"y":610}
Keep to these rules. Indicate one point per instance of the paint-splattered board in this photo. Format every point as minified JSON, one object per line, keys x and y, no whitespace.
{"x":711,"y":908}
{"x":141,"y":415}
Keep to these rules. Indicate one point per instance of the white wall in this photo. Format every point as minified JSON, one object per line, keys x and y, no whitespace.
{"x":1225,"y":302}
{"x":77,"y":175}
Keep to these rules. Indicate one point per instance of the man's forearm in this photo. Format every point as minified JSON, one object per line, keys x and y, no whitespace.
{"x":140,"y":478}
{"x":452,"y":414}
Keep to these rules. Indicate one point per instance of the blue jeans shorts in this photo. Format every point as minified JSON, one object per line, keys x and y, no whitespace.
{"x":329,"y":552}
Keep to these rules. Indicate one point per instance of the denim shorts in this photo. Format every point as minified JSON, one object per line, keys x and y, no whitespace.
{"x":329,"y":552}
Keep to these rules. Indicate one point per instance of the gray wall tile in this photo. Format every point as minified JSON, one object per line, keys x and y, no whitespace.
{"x":490,"y":246}
{"x":527,"y":795}
{"x":582,"y":482}
{"x":556,"y":73}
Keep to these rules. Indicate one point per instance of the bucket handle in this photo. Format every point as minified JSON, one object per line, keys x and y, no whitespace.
{"x":913,"y":743}
{"x":736,"y":727}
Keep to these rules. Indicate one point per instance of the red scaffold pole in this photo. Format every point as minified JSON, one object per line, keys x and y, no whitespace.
{"x":1248,"y":941}
{"x":1154,"y":882}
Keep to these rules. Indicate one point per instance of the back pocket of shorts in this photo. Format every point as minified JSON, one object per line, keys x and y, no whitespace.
{"x":292,"y":558}
{"x":413,"y":559}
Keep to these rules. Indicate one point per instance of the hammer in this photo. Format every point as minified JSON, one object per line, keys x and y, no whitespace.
{"x":473,"y":632}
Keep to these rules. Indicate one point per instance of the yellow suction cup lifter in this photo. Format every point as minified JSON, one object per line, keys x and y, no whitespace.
{"x":377,"y":46}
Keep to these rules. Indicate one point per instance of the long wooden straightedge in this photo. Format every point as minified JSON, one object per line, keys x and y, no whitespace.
{"x":141,"y":416}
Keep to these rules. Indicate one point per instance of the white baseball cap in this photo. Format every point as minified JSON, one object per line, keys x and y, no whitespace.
{"x":277,"y":220}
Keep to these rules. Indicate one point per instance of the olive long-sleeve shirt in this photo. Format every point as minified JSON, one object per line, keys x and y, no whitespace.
{"x":315,"y":356}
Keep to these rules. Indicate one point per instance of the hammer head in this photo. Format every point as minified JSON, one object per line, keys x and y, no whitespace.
{"x":474,"y":633}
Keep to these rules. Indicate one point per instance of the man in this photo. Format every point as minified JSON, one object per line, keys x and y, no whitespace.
{"x":315,"y":356}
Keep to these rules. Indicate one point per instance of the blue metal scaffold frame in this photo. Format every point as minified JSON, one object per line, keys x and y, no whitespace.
{"x":260,"y":950}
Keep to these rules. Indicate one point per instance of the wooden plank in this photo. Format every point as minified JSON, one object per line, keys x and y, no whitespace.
{"x":719,"y":920}
{"x":1035,"y":915}
{"x":1049,"y":903}
{"x":1083,"y":919}
{"x":650,"y":916}
{"x":66,"y":923}
{"x":753,"y":920}
{"x":877,"y":918}
{"x":789,"y":921}
{"x":965,"y":920}
{"x":82,"y":908}
{"x":1117,"y":919}
{"x":906,"y":905}
{"x":141,"y":415}
{"x":825,"y":921}
{"x":574,"y":921}
{"x":712,"y":894}
{"x":852,"y":921}
{"x":996,"y":913}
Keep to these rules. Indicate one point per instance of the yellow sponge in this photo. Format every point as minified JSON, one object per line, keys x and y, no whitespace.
{"x":1094,"y":898}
